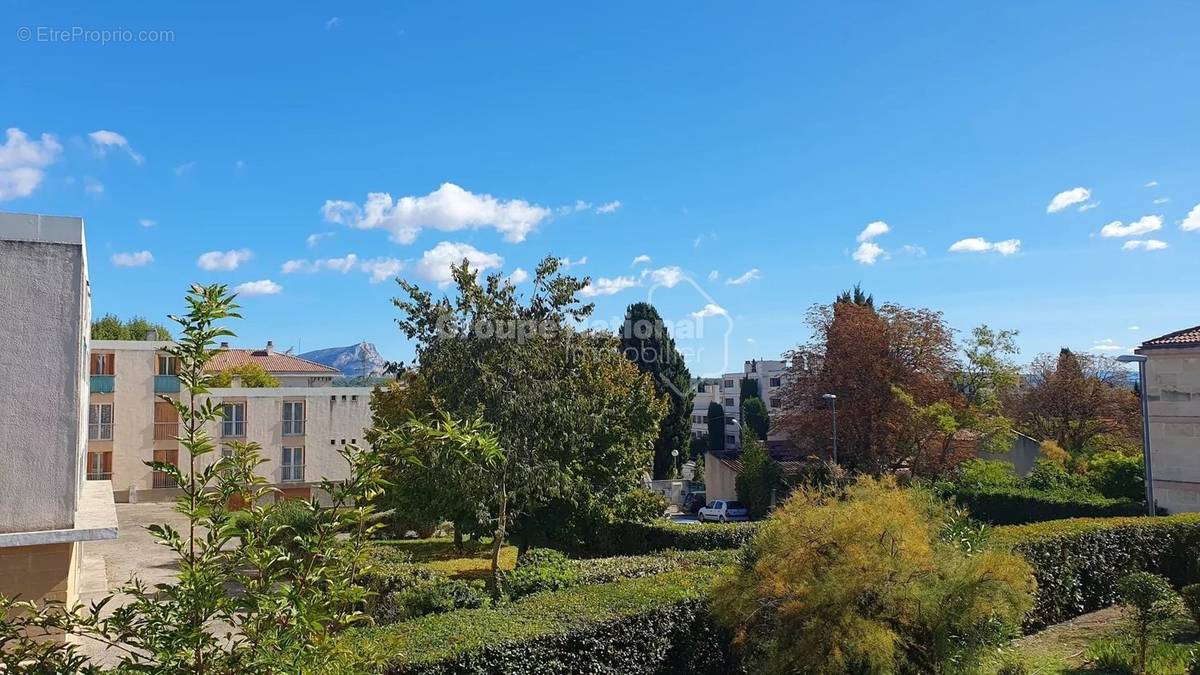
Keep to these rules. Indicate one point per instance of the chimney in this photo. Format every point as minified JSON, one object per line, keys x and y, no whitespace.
{"x":224,"y":345}
{"x":270,"y":346}
{"x":152,"y":334}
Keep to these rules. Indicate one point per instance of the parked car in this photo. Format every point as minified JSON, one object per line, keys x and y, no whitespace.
{"x":693,"y":502}
{"x":721,"y":511}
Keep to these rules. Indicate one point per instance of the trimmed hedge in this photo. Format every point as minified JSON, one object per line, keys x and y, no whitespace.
{"x":1077,"y":562}
{"x":631,"y":538}
{"x":658,"y":624}
{"x":1016,"y":505}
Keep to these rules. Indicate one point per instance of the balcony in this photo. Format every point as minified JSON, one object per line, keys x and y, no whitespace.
{"x":100,"y":475}
{"x":102,"y":384}
{"x":163,"y":480}
{"x":166,"y":384}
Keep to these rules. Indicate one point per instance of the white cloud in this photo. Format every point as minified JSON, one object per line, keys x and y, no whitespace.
{"x":316,"y":237}
{"x":103,"y":141}
{"x":1189,"y":224}
{"x":868,"y":252}
{"x":147,"y":222}
{"x":223,"y":261}
{"x":1162,"y":200}
{"x":640,"y":260}
{"x":609,"y":207}
{"x":518,"y":277}
{"x":1107,"y":345}
{"x":702,"y":238}
{"x":382,"y":269}
{"x":714,"y":275}
{"x":333,"y":22}
{"x":449,"y":208}
{"x":1135,"y":328}
{"x":566,"y":263}
{"x":435,"y":263}
{"x":138,"y":259}
{"x":22,"y":163}
{"x":1152,"y":183}
{"x":578,"y":206}
{"x":708,"y":310}
{"x":664,"y":276}
{"x":260,"y":287}
{"x":1144,"y":244}
{"x":92,"y":186}
{"x":604,"y":286}
{"x":343,"y":264}
{"x":981,"y":245}
{"x":1083,"y":208}
{"x":913,"y":250}
{"x":750,"y":275}
{"x":1143,"y":225}
{"x":873,"y":230}
{"x":184,"y":168}
{"x":1068,"y":198}
{"x":239,"y":165}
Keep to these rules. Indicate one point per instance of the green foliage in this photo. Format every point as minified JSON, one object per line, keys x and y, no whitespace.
{"x":1050,"y":476}
{"x":1016,"y":506}
{"x":1190,"y":595}
{"x":111,"y":327}
{"x":402,"y":590}
{"x":251,"y":375}
{"x":652,"y":625}
{"x":748,"y":390}
{"x":716,"y":427}
{"x":977,"y":474}
{"x":539,"y":569}
{"x":861,"y":581}
{"x":1150,"y":603}
{"x":632,"y":538}
{"x":1117,"y":475}
{"x":857,"y":296}
{"x":761,"y":479}
{"x":755,"y":418}
{"x":699,"y":446}
{"x":1120,"y":657}
{"x":1078,"y":562}
{"x":607,"y":570}
{"x":646,"y":342}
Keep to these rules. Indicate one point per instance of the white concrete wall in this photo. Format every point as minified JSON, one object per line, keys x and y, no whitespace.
{"x":44,"y":319}
{"x":1173,"y":385}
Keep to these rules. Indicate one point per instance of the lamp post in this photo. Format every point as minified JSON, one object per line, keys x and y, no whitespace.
{"x":832,"y":398}
{"x":1141,"y":361}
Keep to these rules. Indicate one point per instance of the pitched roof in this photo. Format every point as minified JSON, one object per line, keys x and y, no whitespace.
{"x":271,"y":361}
{"x":1188,"y":337}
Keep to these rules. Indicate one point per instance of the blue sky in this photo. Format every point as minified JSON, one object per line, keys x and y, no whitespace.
{"x":756,"y":140}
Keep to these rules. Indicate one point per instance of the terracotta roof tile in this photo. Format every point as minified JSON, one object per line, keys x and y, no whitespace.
{"x":1188,"y":337}
{"x":272,"y":362}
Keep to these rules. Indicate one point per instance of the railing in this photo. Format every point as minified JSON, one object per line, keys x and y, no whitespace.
{"x":293,"y":473}
{"x":102,"y":384}
{"x":107,"y":475}
{"x":293,"y":427}
{"x":100,"y":432}
{"x":164,"y":480}
{"x":166,"y":384}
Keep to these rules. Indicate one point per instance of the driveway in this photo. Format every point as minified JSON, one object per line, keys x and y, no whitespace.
{"x":135,"y":551}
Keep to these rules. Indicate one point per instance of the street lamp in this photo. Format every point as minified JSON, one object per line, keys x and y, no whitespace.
{"x":1141,"y":361}
{"x":832,"y":398}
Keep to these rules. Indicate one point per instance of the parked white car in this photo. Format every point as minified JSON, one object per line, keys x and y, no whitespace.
{"x":720,"y":511}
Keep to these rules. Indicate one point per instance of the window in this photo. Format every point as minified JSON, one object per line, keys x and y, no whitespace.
{"x":100,"y":422}
{"x":234,"y":424}
{"x":730,"y":440}
{"x":293,"y":418}
{"x":161,"y":479}
{"x":166,"y":421}
{"x":774,"y":382}
{"x":729,"y":384}
{"x":728,"y":402}
{"x":776,"y":403}
{"x":167,"y":365}
{"x":293,"y":464}
{"x":99,"y":466}
{"x":103,"y":364}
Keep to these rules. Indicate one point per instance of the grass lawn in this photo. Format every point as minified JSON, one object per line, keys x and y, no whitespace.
{"x":472,"y":561}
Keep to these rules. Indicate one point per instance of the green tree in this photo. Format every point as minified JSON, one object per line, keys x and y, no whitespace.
{"x":1117,"y":476}
{"x":716,"y":427}
{"x":251,"y":375}
{"x":1150,"y":603}
{"x":857,"y":296}
{"x":699,"y":446}
{"x":575,"y":420}
{"x":761,"y":480}
{"x":755,"y":418}
{"x":111,"y":327}
{"x":748,"y":389}
{"x":646,"y":342}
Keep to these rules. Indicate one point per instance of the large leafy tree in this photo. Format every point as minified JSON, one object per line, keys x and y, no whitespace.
{"x":1074,"y":398}
{"x":574,"y":420}
{"x":646,"y":342}
{"x":112,"y":327}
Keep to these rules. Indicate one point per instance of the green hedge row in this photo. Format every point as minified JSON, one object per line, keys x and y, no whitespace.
{"x":1015,"y":505}
{"x":657,"y":624}
{"x":1077,"y":562}
{"x":631,"y":538}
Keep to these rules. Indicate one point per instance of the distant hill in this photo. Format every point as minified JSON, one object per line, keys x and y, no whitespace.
{"x":357,"y":360}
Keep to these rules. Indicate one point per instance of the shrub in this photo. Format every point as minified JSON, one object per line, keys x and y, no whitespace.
{"x":656,"y":625}
{"x":540,"y":569}
{"x":761,"y":479}
{"x":1077,"y":562}
{"x":1191,"y":601}
{"x":1016,"y":506}
{"x":1117,"y":475}
{"x":986,"y":473}
{"x":1151,"y":603}
{"x":403,"y":590}
{"x":1110,"y":655}
{"x":861,"y":581}
{"x":605,"y":570}
{"x":630,"y":538}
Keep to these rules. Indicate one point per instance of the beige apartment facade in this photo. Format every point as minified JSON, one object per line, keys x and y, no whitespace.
{"x":47,"y":509}
{"x":300,"y":428}
{"x":1173,"y":397}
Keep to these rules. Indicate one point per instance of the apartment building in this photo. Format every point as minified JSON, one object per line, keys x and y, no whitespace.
{"x":300,"y":424}
{"x":47,"y":509}
{"x":1173,"y":396}
{"x":727,"y":390}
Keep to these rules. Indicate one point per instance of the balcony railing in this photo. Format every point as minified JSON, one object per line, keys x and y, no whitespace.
{"x":293,"y":473}
{"x":166,"y":384}
{"x":107,"y":475}
{"x":102,"y":384}
{"x":164,"y":480}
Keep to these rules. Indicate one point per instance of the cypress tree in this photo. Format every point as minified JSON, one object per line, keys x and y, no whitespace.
{"x":645,"y":341}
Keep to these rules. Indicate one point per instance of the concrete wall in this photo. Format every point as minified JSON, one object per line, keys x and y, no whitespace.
{"x":719,"y":480}
{"x":1173,"y":385}
{"x":44,"y":315}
